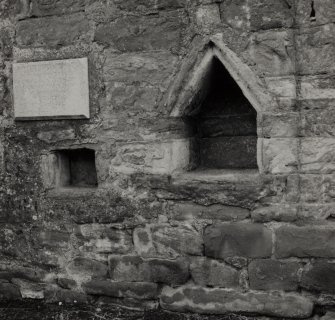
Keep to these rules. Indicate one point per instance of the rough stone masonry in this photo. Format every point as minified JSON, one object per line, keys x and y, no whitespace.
{"x":203,"y":181}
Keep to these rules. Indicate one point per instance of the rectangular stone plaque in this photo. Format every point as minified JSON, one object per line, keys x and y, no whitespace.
{"x":55,"y":89}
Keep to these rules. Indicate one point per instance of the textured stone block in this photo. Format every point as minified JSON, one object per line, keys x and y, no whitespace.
{"x":272,"y":52}
{"x":287,"y":213}
{"x":166,"y":241}
{"x":104,"y":239}
{"x":53,"y":31}
{"x":51,"y":89}
{"x":57,"y":7}
{"x":135,"y":268}
{"x":315,"y":50}
{"x":9,"y":291}
{"x":208,"y":272}
{"x":188,"y":211}
{"x":318,"y":122}
{"x":320,"y":277}
{"x":237,"y":239}
{"x":280,"y":155}
{"x":318,"y":155}
{"x":221,"y":301}
{"x":86,"y":268}
{"x":309,"y":241}
{"x":136,"y":290}
{"x":133,"y":33}
{"x":228,"y":152}
{"x":273,"y":275}
{"x":279,"y":125}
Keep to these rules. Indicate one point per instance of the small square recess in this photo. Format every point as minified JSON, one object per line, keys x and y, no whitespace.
{"x":76,"y":168}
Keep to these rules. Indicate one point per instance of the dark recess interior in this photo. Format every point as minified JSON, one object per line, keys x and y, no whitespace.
{"x":77,"y":168}
{"x":224,"y":124}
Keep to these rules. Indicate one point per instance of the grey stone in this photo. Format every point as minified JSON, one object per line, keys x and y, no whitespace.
{"x":273,"y":275}
{"x":135,"y":268}
{"x":167,"y":241}
{"x":308,"y":241}
{"x":87,"y":268}
{"x":237,"y":239}
{"x":9,"y":291}
{"x":288,"y":213}
{"x":208,"y":272}
{"x":51,"y":89}
{"x":136,"y":290}
{"x":221,"y":301}
{"x":320,"y":276}
{"x":188,"y":211}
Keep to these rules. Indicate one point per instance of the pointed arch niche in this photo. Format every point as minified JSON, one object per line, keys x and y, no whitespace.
{"x":219,"y":99}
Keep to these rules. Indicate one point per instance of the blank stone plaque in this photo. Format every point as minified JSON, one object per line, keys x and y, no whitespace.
{"x":55,"y":89}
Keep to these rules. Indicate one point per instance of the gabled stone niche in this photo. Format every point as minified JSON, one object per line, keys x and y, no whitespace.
{"x":70,"y":168}
{"x":224,"y":123}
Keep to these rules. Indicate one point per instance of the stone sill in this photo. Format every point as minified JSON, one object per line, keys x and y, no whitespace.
{"x":72,"y":192}
{"x":219,"y":175}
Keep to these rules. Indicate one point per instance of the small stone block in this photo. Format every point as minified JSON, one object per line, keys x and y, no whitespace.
{"x":55,"y":89}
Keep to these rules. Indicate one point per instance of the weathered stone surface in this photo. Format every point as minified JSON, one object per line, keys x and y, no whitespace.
{"x":220,"y":301}
{"x":135,"y":268}
{"x":56,"y":135}
{"x":53,"y":31}
{"x":266,"y":274}
{"x":208,"y":272}
{"x":237,"y":239}
{"x":279,"y":125}
{"x":208,"y":17}
{"x":329,"y":316}
{"x":320,"y":276}
{"x":53,"y":238}
{"x":57,"y":89}
{"x":257,"y":15}
{"x":317,"y":155}
{"x":324,"y":12}
{"x":315,"y":50}
{"x":132,"y":33}
{"x":46,"y":8}
{"x":228,"y":152}
{"x":287,"y":213}
{"x":87,"y":268}
{"x":57,"y":295}
{"x":318,"y":123}
{"x":309,"y":241}
{"x":136,"y":290}
{"x":167,"y":241}
{"x":280,"y":155}
{"x":187,"y":211}
{"x":30,"y":290}
{"x":272,"y":51}
{"x":9,"y":291}
{"x":152,"y":68}
{"x":104,"y":239}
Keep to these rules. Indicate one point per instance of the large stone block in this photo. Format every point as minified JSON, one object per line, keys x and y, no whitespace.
{"x":272,"y":52}
{"x":51,"y":89}
{"x":228,"y":152}
{"x":309,"y":241}
{"x":57,"y":7}
{"x":319,"y":276}
{"x":136,"y":290}
{"x":318,"y":155}
{"x":135,"y":268}
{"x":318,"y":87}
{"x":166,"y":241}
{"x":284,"y":212}
{"x":279,"y":155}
{"x":279,"y":125}
{"x":273,"y":275}
{"x":237,"y":239}
{"x":133,"y":33}
{"x":151,"y":68}
{"x":221,"y":301}
{"x":208,"y":272}
{"x":188,"y":211}
{"x":9,"y":291}
{"x":317,"y":188}
{"x":315,"y":47}
{"x":53,"y":31}
{"x":103,"y":238}
{"x":83,"y":268}
{"x":318,"y":122}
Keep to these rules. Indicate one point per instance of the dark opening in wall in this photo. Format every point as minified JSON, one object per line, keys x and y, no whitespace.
{"x":76,"y":168}
{"x":224,"y":123}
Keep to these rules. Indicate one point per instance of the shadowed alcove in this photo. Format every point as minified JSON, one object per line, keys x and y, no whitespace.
{"x":223,"y":122}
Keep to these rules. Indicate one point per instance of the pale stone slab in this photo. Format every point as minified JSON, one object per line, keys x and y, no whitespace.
{"x":55,"y":89}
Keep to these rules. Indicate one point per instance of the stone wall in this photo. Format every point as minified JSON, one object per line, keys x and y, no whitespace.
{"x":153,"y":234}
